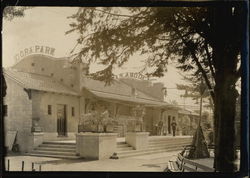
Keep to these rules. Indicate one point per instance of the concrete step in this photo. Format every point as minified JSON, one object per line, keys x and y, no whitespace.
{"x":147,"y":152}
{"x":59,"y":143}
{"x":54,"y":156}
{"x":125,"y":148}
{"x":56,"y":149}
{"x":169,"y":140}
{"x":57,"y":146}
{"x":53,"y":152}
{"x":169,"y":143}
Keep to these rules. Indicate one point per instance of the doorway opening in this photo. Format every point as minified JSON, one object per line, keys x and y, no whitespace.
{"x":61,"y":120}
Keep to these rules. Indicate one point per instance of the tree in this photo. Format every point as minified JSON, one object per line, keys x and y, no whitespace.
{"x":204,"y":40}
{"x":197,"y":90}
{"x":11,"y":12}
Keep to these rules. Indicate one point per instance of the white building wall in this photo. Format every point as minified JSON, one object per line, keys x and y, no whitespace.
{"x":19,"y":115}
{"x":40,"y":103}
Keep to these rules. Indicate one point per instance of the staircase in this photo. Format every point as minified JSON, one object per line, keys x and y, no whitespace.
{"x":56,"y":150}
{"x":158,"y":145}
{"x":67,"y":150}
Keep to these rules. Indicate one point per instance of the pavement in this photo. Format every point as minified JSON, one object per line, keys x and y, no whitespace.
{"x":146,"y":163}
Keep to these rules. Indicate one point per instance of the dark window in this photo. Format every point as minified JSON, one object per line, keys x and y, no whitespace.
{"x":61,"y":80}
{"x":73,"y":111}
{"x":5,"y":110}
{"x":52,"y":74}
{"x":72,"y":85}
{"x":49,"y":109}
{"x":42,"y":69}
{"x":32,"y":64}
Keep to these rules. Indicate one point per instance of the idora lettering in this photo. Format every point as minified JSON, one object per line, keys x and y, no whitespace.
{"x":34,"y":50}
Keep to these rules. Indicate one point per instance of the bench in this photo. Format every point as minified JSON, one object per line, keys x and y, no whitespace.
{"x":211,"y":149}
{"x":175,"y":166}
{"x":186,"y":150}
{"x":185,"y":165}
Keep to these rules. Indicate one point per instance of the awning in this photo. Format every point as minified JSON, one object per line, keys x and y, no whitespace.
{"x":132,"y":99}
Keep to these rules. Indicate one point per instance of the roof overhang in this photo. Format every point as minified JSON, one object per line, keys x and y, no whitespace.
{"x":127,"y":99}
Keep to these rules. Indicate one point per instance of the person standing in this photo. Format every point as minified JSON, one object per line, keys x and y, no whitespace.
{"x":160,"y":125}
{"x":173,"y":124}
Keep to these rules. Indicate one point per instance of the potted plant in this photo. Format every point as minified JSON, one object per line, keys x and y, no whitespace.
{"x":100,"y":142}
{"x":136,"y":137}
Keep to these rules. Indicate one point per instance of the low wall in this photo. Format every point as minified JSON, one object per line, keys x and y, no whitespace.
{"x":96,"y":145}
{"x":35,"y":139}
{"x":138,"y":140}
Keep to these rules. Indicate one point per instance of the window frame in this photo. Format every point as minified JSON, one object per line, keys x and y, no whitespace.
{"x":49,"y":109}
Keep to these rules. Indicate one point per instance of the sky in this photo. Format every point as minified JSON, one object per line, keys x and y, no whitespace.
{"x":46,"y":26}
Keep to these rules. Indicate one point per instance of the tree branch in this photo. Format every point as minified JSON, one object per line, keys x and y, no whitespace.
{"x":197,"y":62}
{"x":209,"y":60}
{"x":121,"y":15}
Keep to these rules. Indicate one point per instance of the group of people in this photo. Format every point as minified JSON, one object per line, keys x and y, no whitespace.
{"x":159,"y":127}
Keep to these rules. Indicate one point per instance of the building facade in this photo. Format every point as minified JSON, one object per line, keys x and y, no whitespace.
{"x":50,"y":95}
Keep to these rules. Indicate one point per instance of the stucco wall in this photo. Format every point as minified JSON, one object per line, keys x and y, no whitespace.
{"x":19,"y":116}
{"x":40,"y":103}
{"x":49,"y":66}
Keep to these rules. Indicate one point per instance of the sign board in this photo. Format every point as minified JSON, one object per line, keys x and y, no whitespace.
{"x":37,"y":49}
{"x":10,"y":139}
{"x":132,"y":75}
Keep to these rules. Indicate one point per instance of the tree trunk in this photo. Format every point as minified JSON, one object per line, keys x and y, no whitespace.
{"x":225,"y":102}
{"x":227,"y":34}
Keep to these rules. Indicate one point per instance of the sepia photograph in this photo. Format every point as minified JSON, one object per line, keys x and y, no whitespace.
{"x":123,"y":89}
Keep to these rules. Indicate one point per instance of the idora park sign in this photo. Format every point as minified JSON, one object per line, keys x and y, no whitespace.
{"x":37,"y":49}
{"x":134,"y":75}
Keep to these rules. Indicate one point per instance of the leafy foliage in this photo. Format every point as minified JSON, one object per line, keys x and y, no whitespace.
{"x":112,"y":35}
{"x":205,"y":41}
{"x":194,"y":89}
{"x":10,"y":12}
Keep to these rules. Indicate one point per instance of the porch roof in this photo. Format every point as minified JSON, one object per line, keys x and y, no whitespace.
{"x":127,"y":98}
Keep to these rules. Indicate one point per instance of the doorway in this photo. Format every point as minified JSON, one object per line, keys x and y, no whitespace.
{"x":169,"y":124}
{"x":61,"y":120}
